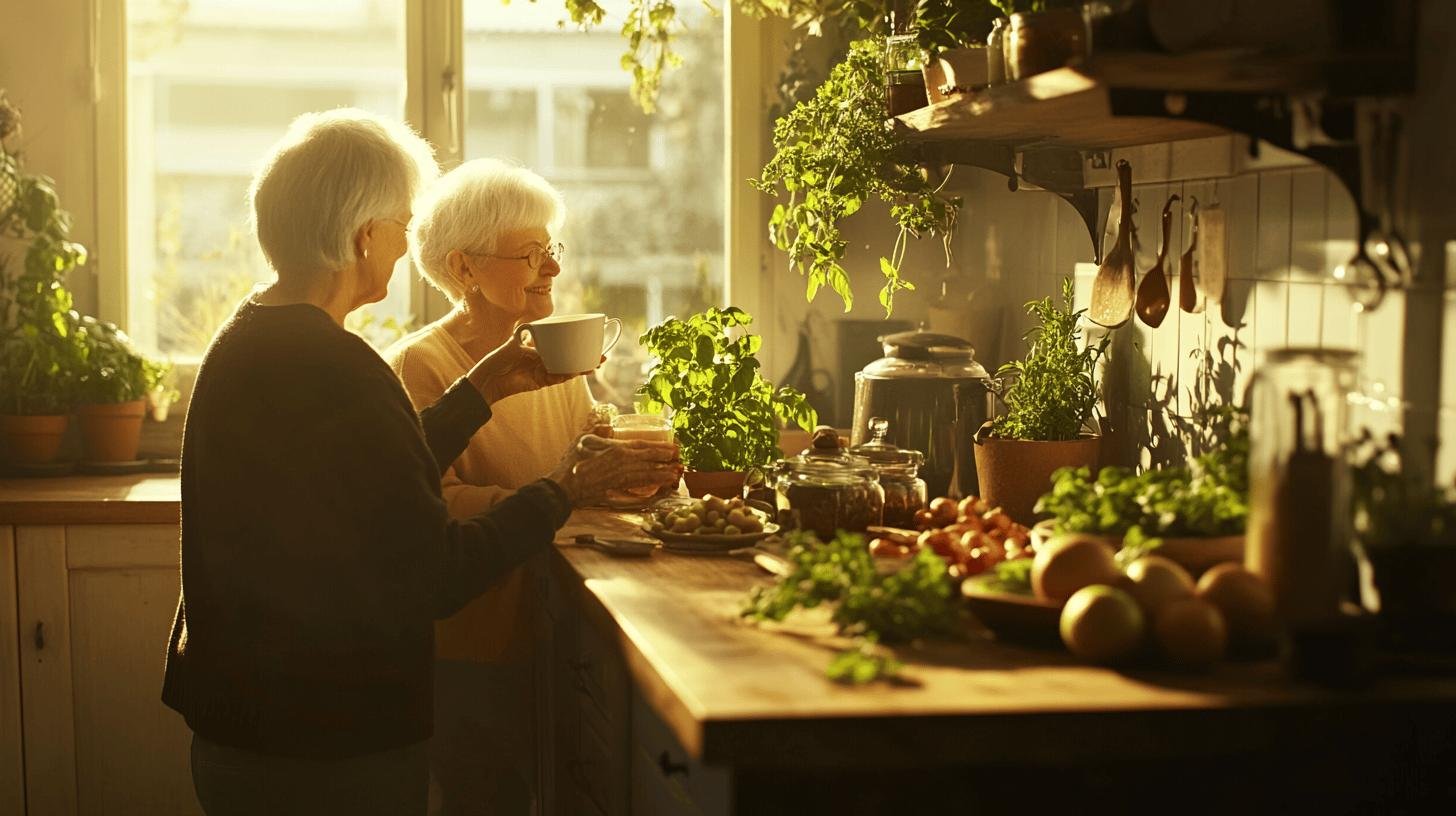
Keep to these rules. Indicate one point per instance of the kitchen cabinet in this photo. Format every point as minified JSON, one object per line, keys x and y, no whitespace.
{"x":95,"y":605}
{"x":12,"y":766}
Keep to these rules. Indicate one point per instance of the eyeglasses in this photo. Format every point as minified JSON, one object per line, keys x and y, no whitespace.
{"x":535,"y":258}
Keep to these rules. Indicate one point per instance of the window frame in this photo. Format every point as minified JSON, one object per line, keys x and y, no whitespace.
{"x":434,"y":104}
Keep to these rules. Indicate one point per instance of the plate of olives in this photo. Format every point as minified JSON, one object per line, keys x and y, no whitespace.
{"x":711,"y":520}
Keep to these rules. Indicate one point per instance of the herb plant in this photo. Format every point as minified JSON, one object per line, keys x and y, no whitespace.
{"x":40,"y":356}
{"x":115,"y":371}
{"x":725,"y":415}
{"x":918,"y":600}
{"x":1390,"y":510}
{"x":1053,"y":391}
{"x":833,"y":153}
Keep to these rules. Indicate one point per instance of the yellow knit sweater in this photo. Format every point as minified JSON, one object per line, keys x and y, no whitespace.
{"x":524,"y":440}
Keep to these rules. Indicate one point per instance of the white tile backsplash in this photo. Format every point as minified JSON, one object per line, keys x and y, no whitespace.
{"x":1448,"y":357}
{"x":1307,"y":226}
{"x":1306,"y":302}
{"x":1338,"y":329}
{"x":1380,"y":340}
{"x":1271,"y":317}
{"x":1271,"y":261}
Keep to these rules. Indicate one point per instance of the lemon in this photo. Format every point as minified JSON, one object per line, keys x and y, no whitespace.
{"x":1102,"y":624}
{"x":1154,"y":580}
{"x":1068,"y":563}
{"x":1190,"y":631}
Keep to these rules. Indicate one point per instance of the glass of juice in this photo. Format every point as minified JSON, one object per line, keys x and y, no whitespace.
{"x":642,"y":426}
{"x":651,"y":427}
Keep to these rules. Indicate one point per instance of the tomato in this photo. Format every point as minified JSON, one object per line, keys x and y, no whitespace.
{"x":939,"y":541}
{"x":943,"y":510}
{"x":905,"y":550}
{"x":924,"y":519}
{"x":973,"y":567}
{"x":884,"y":548}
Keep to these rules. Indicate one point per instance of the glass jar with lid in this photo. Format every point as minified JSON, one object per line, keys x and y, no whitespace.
{"x":825,"y":489}
{"x":905,"y":491}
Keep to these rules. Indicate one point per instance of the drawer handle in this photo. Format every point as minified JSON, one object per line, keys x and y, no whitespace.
{"x":39,"y":635}
{"x":670,"y":768}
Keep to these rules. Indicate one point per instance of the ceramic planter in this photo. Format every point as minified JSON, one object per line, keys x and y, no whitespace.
{"x":1417,"y":586}
{"x":111,"y":432}
{"x":724,"y":483}
{"x":1194,"y":553}
{"x":1014,"y":473}
{"x":33,"y":440}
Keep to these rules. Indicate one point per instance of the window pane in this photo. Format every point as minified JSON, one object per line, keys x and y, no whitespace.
{"x":211,"y":84}
{"x":644,"y":194}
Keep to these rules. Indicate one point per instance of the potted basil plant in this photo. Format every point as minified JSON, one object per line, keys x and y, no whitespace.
{"x":1050,"y":396}
{"x":40,"y":358}
{"x":113,"y":392}
{"x":725,"y":415}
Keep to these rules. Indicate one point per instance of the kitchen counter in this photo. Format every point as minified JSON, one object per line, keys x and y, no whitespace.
{"x":746,"y":697}
{"x":736,"y":693}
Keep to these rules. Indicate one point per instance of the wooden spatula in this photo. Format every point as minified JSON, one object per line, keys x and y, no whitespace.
{"x":1112,"y":290}
{"x":1152,"y":296}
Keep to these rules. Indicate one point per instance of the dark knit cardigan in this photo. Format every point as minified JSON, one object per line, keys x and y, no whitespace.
{"x":316,"y":550}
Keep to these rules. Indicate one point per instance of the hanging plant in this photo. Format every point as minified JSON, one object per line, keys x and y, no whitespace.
{"x":833,"y":153}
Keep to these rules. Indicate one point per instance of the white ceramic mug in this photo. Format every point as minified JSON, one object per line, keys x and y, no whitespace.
{"x":571,"y":343}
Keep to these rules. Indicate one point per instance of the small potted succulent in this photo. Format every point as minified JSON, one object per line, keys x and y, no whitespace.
{"x":1051,"y":396}
{"x":113,"y":392}
{"x":725,"y":415}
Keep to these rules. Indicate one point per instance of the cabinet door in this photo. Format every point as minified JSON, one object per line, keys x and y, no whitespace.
{"x":12,"y":770}
{"x":103,"y":597}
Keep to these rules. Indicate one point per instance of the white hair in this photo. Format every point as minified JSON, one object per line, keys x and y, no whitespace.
{"x":469,"y":209}
{"x":330,"y":174}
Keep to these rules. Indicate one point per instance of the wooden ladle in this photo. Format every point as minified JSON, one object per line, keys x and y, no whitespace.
{"x":1112,"y":289}
{"x":1153,"y":298}
{"x":1189,"y":298}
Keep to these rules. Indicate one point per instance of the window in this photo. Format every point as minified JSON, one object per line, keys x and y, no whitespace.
{"x":210,"y":84}
{"x":644,"y":194}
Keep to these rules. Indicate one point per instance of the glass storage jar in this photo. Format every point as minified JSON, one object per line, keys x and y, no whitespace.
{"x":1299,"y":529}
{"x":904,"y":490}
{"x":825,"y":489}
{"x":1044,"y":41}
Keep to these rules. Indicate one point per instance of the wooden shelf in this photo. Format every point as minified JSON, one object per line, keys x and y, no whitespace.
{"x":1061,"y":108}
{"x":1074,"y":107}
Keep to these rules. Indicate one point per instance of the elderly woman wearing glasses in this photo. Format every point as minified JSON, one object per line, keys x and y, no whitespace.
{"x":483,"y":235}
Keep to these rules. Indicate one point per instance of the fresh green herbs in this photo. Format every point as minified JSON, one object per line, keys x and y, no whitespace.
{"x":1052,"y":392}
{"x":725,"y":415}
{"x":115,"y":371}
{"x":1013,"y":576}
{"x":917,"y":600}
{"x":1209,"y":499}
{"x":864,"y":663}
{"x":1389,"y":509}
{"x":833,"y":153}
{"x":40,"y":356}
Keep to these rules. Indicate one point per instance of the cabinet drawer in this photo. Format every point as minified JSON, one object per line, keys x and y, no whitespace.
{"x":665,"y":780}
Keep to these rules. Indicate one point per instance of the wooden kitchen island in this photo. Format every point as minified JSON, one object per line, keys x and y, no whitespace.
{"x":655,"y":699}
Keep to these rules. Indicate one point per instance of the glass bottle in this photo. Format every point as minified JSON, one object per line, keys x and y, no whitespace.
{"x":1299,"y":529}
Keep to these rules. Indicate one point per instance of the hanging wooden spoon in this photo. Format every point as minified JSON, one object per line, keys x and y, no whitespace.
{"x":1152,"y":296}
{"x":1112,"y":289}
{"x":1189,"y":298}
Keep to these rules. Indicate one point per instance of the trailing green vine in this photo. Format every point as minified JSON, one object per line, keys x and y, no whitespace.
{"x":833,"y":153}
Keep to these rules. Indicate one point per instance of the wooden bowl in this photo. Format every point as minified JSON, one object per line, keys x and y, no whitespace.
{"x":1011,"y":616}
{"x":1195,"y":554}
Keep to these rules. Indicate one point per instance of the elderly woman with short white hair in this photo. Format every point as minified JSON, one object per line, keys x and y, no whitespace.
{"x":484,"y":235}
{"x":317,"y":550}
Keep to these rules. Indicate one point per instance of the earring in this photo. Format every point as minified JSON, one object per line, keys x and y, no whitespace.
{"x":366,"y":254}
{"x":474,"y":290}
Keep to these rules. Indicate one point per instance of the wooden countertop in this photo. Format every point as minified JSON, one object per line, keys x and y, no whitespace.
{"x":739,"y":694}
{"x":736,"y":693}
{"x":147,"y":498}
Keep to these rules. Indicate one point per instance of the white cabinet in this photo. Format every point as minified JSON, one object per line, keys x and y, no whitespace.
{"x":95,"y":606}
{"x":12,"y":766}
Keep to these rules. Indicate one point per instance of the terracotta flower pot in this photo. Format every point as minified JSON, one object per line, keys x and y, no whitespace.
{"x":1014,"y":473}
{"x":111,"y":432}
{"x":724,"y":483}
{"x":33,"y":440}
{"x":965,"y":69}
